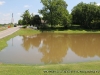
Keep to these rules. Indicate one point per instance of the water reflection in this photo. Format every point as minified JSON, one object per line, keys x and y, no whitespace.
{"x":48,"y":48}
{"x":31,"y":41}
{"x":85,"y":45}
{"x":54,"y":47}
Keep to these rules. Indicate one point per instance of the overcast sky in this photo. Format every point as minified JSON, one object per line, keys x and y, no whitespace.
{"x":17,"y":7}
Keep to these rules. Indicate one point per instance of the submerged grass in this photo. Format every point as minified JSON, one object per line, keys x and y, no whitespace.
{"x":87,"y":68}
{"x":3,"y":41}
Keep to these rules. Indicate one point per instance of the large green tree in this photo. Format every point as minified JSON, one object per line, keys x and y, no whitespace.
{"x":85,"y":14}
{"x":54,"y":11}
{"x":36,"y":21}
{"x":26,"y":17}
{"x":32,"y":19}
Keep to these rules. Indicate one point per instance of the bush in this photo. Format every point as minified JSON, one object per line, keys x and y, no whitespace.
{"x":25,"y":26}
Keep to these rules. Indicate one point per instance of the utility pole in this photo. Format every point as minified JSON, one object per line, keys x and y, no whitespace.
{"x":12,"y":20}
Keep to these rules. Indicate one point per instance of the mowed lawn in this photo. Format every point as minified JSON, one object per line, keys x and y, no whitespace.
{"x":87,"y":68}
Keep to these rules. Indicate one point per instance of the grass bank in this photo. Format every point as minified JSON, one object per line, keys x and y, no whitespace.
{"x":69,"y":31}
{"x":76,"y":31}
{"x":3,"y":41}
{"x":87,"y":68}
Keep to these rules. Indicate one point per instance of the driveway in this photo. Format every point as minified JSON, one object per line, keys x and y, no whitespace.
{"x":8,"y":31}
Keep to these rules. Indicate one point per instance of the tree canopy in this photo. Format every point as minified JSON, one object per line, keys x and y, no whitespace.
{"x":26,"y":17}
{"x":29,"y":19}
{"x":86,"y":14}
{"x":54,"y":11}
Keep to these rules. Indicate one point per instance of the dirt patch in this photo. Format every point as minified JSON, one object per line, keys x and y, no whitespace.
{"x":2,"y":28}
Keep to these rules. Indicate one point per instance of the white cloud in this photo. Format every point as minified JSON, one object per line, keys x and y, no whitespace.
{"x":18,"y":13}
{"x":98,"y":4}
{"x":35,"y":13}
{"x":2,"y":2}
{"x":5,"y":20}
{"x":6,"y":15}
{"x":26,"y":6}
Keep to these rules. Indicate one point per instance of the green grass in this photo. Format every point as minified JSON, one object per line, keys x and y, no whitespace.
{"x":76,"y":31}
{"x":69,"y":30}
{"x":3,"y":41}
{"x":87,"y":68}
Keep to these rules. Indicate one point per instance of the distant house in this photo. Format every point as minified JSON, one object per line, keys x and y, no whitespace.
{"x":43,"y":21}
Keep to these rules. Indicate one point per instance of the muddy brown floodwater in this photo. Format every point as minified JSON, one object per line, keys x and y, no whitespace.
{"x":51,"y":48}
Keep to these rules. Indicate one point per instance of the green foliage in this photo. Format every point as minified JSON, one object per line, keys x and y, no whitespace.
{"x":32,"y":19}
{"x":85,"y":14}
{"x":67,"y":21}
{"x":26,"y":17}
{"x":37,"y":20}
{"x":20,"y":22}
{"x":54,"y":11}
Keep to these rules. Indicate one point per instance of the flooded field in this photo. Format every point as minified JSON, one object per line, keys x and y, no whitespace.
{"x":51,"y":48}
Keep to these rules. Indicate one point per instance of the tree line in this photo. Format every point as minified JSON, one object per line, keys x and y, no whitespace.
{"x":86,"y":15}
{"x":29,"y":19}
{"x":55,"y":13}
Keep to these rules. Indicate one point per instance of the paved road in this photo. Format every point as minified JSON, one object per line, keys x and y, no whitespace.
{"x":8,"y":31}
